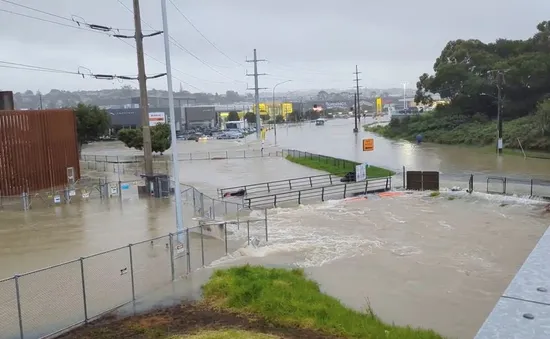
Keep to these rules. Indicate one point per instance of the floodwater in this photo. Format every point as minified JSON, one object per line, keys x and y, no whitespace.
{"x":451,"y":256}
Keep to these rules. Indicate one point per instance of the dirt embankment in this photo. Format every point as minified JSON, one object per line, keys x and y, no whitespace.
{"x":181,"y":321}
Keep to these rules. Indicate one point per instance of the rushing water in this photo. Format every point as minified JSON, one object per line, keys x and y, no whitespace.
{"x":450,"y":256}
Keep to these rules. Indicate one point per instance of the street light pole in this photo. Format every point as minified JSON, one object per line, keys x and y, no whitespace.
{"x":273,"y":106}
{"x":499,"y":114}
{"x":175,"y":157}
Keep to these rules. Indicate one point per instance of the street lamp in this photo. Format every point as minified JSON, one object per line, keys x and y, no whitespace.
{"x":273,"y":105}
{"x":175,"y":160}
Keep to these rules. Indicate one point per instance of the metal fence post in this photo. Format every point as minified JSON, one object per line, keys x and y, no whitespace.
{"x":266,"y":230}
{"x":84,"y":289}
{"x":202,"y":247}
{"x":18,"y":298}
{"x":171,"y":245}
{"x":132,"y":272}
{"x":225,"y":236}
{"x":188,"y":250}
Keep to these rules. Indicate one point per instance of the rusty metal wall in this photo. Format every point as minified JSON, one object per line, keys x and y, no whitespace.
{"x":36,"y":148}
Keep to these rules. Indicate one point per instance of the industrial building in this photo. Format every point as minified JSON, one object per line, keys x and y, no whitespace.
{"x":186,"y":117}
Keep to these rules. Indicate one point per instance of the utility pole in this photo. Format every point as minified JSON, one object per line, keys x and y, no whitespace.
{"x":256,"y":92}
{"x":357,"y":105}
{"x":143,"y":102}
{"x":500,"y":103}
{"x":500,"y":81}
{"x":355,"y":102}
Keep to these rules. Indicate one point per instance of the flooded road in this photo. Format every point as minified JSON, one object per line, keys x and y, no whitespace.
{"x":451,"y":256}
{"x":336,"y":139}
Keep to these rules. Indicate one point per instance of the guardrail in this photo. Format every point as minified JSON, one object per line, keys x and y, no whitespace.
{"x":284,"y":185}
{"x":523,"y":311}
{"x":341,"y":191}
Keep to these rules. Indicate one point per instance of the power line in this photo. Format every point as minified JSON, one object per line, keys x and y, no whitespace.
{"x":52,"y":22}
{"x":202,"y":35}
{"x":15,"y":65}
{"x":79,"y":23}
{"x":181,"y":47}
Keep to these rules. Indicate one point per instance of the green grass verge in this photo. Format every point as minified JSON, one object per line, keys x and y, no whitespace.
{"x":338,"y":166}
{"x":288,"y":298}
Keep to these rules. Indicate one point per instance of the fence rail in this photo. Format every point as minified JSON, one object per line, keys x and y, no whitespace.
{"x":531,"y":187}
{"x":78,"y":291}
{"x":284,"y":185}
{"x":341,"y":191}
{"x":212,"y":155}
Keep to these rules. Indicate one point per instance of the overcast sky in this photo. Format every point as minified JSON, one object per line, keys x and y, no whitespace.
{"x":314,"y":43}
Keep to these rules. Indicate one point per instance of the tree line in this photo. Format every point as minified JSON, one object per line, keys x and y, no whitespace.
{"x":466,"y":75}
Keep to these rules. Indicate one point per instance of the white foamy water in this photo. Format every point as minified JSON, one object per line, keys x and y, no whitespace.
{"x":451,"y":255}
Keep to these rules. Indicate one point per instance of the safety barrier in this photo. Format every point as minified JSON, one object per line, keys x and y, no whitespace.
{"x":284,"y":185}
{"x":341,"y":191}
{"x":506,"y":185}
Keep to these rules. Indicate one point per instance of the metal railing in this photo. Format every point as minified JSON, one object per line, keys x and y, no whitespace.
{"x":284,"y":185}
{"x":345,"y":165}
{"x":530,"y":187}
{"x":48,"y":301}
{"x":341,"y":191}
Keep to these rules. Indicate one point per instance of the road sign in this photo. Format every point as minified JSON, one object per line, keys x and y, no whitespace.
{"x":368,"y":145}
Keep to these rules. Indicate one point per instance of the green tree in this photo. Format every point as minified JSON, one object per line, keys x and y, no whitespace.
{"x":250,"y":117}
{"x":279,"y":119}
{"x":543,"y":117}
{"x":160,"y":138}
{"x":233,"y":116}
{"x":92,"y":122}
{"x":264,"y":117}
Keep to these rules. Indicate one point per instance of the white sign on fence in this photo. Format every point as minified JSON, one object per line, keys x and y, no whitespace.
{"x":156,"y":118}
{"x":57,"y":199}
{"x":361,"y":172}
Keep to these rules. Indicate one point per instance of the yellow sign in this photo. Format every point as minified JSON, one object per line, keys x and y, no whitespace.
{"x":287,"y":108}
{"x":378,"y":105}
{"x":368,"y":145}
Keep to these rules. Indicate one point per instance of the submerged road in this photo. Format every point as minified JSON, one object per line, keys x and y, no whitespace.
{"x":336,"y":139}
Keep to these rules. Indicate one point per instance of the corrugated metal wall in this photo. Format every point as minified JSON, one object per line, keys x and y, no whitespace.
{"x":36,"y":148}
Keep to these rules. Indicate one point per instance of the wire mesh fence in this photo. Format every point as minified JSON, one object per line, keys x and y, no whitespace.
{"x":54,"y":299}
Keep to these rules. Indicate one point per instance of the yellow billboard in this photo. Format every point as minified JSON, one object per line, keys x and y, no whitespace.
{"x":287,"y":108}
{"x":379,"y":105}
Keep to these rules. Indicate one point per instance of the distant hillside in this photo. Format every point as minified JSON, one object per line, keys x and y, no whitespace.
{"x":113,"y":98}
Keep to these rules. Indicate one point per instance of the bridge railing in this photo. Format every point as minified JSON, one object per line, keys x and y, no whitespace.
{"x":341,"y":191}
{"x":284,"y":185}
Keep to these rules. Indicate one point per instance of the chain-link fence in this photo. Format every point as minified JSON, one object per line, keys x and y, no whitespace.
{"x":162,"y":164}
{"x":48,"y":301}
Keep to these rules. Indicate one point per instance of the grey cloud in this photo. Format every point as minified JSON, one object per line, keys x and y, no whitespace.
{"x":314,"y":43}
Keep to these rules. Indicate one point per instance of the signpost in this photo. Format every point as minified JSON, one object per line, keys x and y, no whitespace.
{"x":368,"y":145}
{"x":361,"y":172}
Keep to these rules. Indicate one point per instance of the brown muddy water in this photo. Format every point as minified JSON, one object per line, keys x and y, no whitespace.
{"x":450,"y":256}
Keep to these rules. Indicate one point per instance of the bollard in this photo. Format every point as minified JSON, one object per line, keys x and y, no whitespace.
{"x":84,"y":300}
{"x":18,"y":300}
{"x":132,"y":272}
{"x":188,"y":250}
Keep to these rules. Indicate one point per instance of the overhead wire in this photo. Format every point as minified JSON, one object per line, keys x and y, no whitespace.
{"x":90,"y":27}
{"x":181,"y":47}
{"x":203,"y":36}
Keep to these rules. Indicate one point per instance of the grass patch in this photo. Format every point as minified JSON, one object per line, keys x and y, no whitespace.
{"x":288,"y":298}
{"x":226,"y":334}
{"x":338,"y":167}
{"x":434,"y":194}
